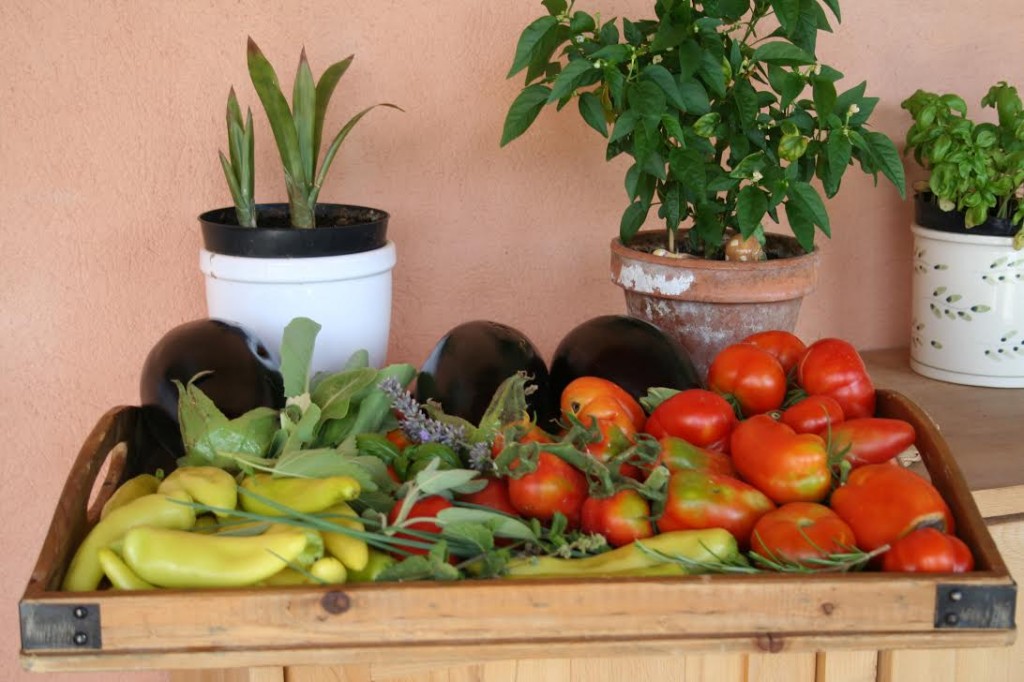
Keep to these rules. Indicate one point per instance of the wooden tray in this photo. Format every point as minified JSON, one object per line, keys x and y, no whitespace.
{"x":437,"y":622}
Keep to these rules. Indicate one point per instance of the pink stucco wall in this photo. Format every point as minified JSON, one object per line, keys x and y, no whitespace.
{"x":111,"y":114}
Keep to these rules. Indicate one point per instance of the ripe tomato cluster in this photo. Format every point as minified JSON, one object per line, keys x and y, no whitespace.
{"x":782,"y":449}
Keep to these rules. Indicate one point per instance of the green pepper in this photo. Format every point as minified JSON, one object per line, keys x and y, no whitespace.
{"x":709,"y":545}
{"x":304,"y":495}
{"x":207,"y":485}
{"x":180,"y":559}
{"x":163,"y":511}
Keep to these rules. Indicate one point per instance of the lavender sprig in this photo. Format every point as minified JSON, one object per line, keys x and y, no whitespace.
{"x":418,"y":426}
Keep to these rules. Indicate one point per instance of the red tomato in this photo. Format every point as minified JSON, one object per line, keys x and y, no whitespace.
{"x":555,"y":486}
{"x":784,"y":465}
{"x":676,"y":454}
{"x":697,"y":500}
{"x":428,"y":507}
{"x":814,"y":414}
{"x":601,"y":399}
{"x":872,"y":440}
{"x":928,"y":551}
{"x":834,"y":368}
{"x":784,"y":346}
{"x":398,"y":438}
{"x":531,"y":434}
{"x":697,"y":416}
{"x":800,"y":532}
{"x":621,"y":518}
{"x":882,"y":503}
{"x":752,"y":377}
{"x":493,"y":495}
{"x":614,"y":439}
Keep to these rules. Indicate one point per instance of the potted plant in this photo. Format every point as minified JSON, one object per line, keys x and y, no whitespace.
{"x":968,"y":281}
{"x":728,"y":116}
{"x":265,"y":264}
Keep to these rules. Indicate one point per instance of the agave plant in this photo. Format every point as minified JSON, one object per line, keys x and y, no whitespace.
{"x":298,"y":131}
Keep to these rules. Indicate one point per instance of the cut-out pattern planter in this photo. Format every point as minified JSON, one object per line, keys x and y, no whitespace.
{"x":968,"y":309}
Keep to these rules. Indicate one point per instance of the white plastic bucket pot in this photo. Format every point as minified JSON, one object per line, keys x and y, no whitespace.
{"x":968,"y":309}
{"x":348,"y":295}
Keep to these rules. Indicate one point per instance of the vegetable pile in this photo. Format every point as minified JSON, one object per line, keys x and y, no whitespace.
{"x":778,"y":465}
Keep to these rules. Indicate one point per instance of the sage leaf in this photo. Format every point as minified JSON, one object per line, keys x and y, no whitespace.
{"x":334,"y":394}
{"x":297,"y":355}
{"x":503,"y":525}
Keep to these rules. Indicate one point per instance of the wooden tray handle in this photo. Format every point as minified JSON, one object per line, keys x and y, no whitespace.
{"x":72,"y":518}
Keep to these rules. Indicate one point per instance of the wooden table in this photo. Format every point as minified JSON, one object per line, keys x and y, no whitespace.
{"x":985,"y":430}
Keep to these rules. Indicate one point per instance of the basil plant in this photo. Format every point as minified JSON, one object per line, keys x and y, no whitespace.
{"x":723,"y":106}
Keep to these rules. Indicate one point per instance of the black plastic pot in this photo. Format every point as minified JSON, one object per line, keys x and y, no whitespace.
{"x":340,"y":229}
{"x":928,"y":214}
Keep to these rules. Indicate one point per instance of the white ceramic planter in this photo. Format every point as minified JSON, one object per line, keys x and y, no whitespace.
{"x":348,"y":295}
{"x":968,"y":309}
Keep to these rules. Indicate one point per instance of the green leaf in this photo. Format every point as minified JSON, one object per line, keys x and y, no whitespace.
{"x":211,"y":439}
{"x":334,"y":393}
{"x":888,"y":158}
{"x":806,"y":198}
{"x":711,"y":72}
{"x":788,"y":14}
{"x":304,"y":113}
{"x":433,"y":481}
{"x":555,"y":7}
{"x":672,"y":205}
{"x":788,"y":84}
{"x":746,"y":102}
{"x":625,"y":125}
{"x":632,"y":220}
{"x":669,"y":35}
{"x":690,"y":54}
{"x":569,"y":79}
{"x":529,"y":42}
{"x":694,"y":97}
{"x":783,"y":54}
{"x":325,"y":87}
{"x":751,"y":205}
{"x":540,"y":62}
{"x":504,"y":525}
{"x":339,"y":138}
{"x":264,"y":80}
{"x":593,"y":113}
{"x":672,"y":127}
{"x":837,"y":152}
{"x":524,"y":111}
{"x":834,"y":6}
{"x":687,"y":166}
{"x":801,"y":223}
{"x":324,"y":462}
{"x":297,"y":355}
{"x":647,"y":100}
{"x":824,"y":97}
{"x":581,"y":22}
{"x":659,"y":75}
{"x":850,"y":97}
{"x":303,"y":431}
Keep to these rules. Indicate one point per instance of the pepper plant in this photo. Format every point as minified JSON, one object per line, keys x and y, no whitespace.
{"x":977,"y":169}
{"x":722,"y":104}
{"x":298,"y":131}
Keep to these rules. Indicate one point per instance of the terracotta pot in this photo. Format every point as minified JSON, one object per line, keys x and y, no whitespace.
{"x":708,"y":305}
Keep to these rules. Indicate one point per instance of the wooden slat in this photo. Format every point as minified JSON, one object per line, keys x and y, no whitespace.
{"x":716,"y":668}
{"x":781,"y":667}
{"x":275,"y":674}
{"x":846,"y":666}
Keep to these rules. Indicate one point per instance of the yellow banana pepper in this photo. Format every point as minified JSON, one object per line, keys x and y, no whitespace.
{"x":351,"y":551}
{"x":118,"y":573}
{"x":163,"y":511}
{"x":179,"y":559}
{"x":375,"y":565}
{"x":207,"y":485}
{"x":328,"y":570}
{"x":304,"y":495}
{"x":132,"y":489}
{"x":709,"y":545}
